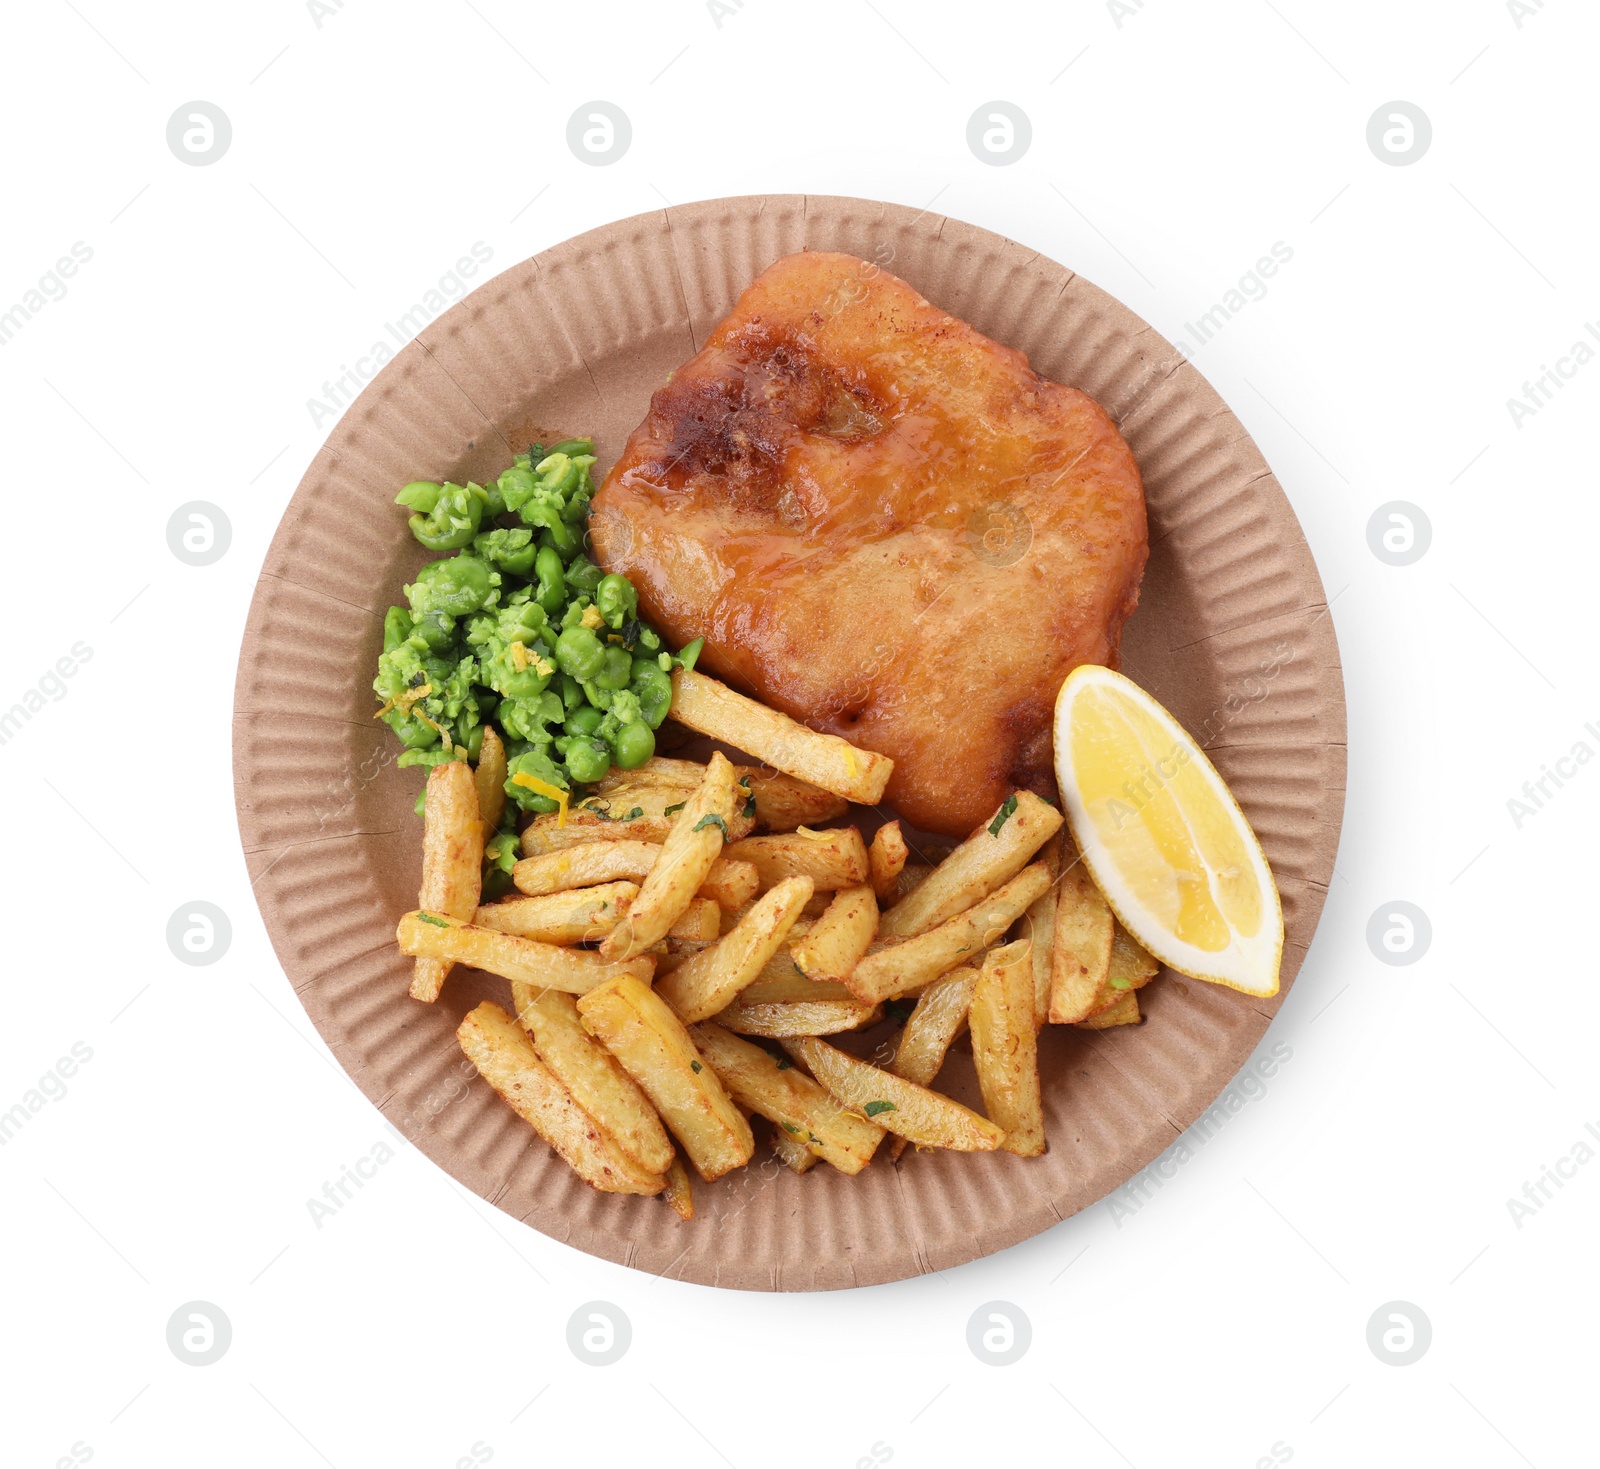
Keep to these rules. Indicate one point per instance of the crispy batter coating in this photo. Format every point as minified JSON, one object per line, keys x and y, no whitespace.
{"x":885,"y":525}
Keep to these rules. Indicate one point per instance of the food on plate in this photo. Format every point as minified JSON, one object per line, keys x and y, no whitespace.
{"x":886,"y":858}
{"x":1121,"y":1011}
{"x":883,"y":524}
{"x":639,"y":1029}
{"x":1005,"y":1047}
{"x":692,"y":845}
{"x":729,"y":884}
{"x":1082,"y":929}
{"x":995,"y":853}
{"x":506,"y":1059}
{"x":584,"y":915}
{"x":452,"y":861}
{"x":1163,"y":836}
{"x":832,"y":859}
{"x":592,"y":1075}
{"x":899,"y":1106}
{"x":782,"y":1093}
{"x":700,"y":987}
{"x":823,"y":760}
{"x":894,"y":543}
{"x":917,"y":961}
{"x":837,"y":941}
{"x":432,"y":936}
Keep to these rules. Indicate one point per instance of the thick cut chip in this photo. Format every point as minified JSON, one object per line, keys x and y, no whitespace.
{"x":885,"y":524}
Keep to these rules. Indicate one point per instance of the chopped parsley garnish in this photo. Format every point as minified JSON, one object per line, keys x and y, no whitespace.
{"x":1119,"y":983}
{"x":794,"y":1130}
{"x":674,"y":810}
{"x":1003,"y":815}
{"x":812,"y":1137}
{"x":436,"y":922}
{"x":900,"y":1009}
{"x":696,"y":1067}
{"x":873,"y":1108}
{"x":750,"y":807}
{"x":784,"y":1063}
{"x":712,"y":819}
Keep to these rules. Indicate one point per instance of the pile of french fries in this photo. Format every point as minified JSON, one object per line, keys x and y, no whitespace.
{"x":682,"y":914}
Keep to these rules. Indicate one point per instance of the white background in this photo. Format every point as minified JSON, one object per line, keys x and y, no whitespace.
{"x":1170,"y":151}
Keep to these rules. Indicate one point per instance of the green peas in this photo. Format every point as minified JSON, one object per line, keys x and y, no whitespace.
{"x":475,"y":743}
{"x":457,"y":585}
{"x":583,"y":576}
{"x":584,"y":721}
{"x":572,"y":447}
{"x":552,"y":588}
{"x":436,"y":631}
{"x":579,"y":652}
{"x":654,"y":691}
{"x":452,"y":516}
{"x":396,"y":628}
{"x":617,"y":669}
{"x":571,"y":692}
{"x":616,"y":599}
{"x":634,"y":745}
{"x":511,"y":550}
{"x":588,"y":760}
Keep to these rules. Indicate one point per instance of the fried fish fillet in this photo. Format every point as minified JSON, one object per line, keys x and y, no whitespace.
{"x":885,"y":525}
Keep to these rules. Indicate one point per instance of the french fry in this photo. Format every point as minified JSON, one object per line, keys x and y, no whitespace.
{"x":592,"y":1075}
{"x":780,"y":984}
{"x":1124,"y":1010}
{"x":646,"y":813}
{"x":782,"y":802}
{"x":584,"y":915}
{"x":832,"y":859}
{"x":679,"y":1191}
{"x":700,"y":987}
{"x":784,"y":1094}
{"x":693,"y":844}
{"x":836,"y":942}
{"x":701,"y":921}
{"x":678,"y":952}
{"x":729,"y":884}
{"x":1005,"y":1048}
{"x":490,"y":779}
{"x":912,"y":876}
{"x":793,"y":1152}
{"x":797,"y":1017}
{"x":506,"y":1059}
{"x":433,"y":936}
{"x":1081,"y":958}
{"x":1132,"y":967}
{"x":995,"y":853}
{"x":1039,"y":926}
{"x":887,"y":859}
{"x":904,"y":1108}
{"x":827,"y":761}
{"x":637,"y":1027}
{"x":935,"y":1025}
{"x":452,"y":861}
{"x":917,"y":961}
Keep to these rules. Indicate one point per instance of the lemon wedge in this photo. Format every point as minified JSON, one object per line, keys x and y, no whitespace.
{"x":1163,"y":837}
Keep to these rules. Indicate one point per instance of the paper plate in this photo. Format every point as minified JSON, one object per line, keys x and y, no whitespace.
{"x":1232,"y":634}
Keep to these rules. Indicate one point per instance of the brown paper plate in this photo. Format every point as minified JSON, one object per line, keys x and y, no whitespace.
{"x":1232,"y":634}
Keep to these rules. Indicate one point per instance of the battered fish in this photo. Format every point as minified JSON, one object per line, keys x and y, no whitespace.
{"x":885,"y":525}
